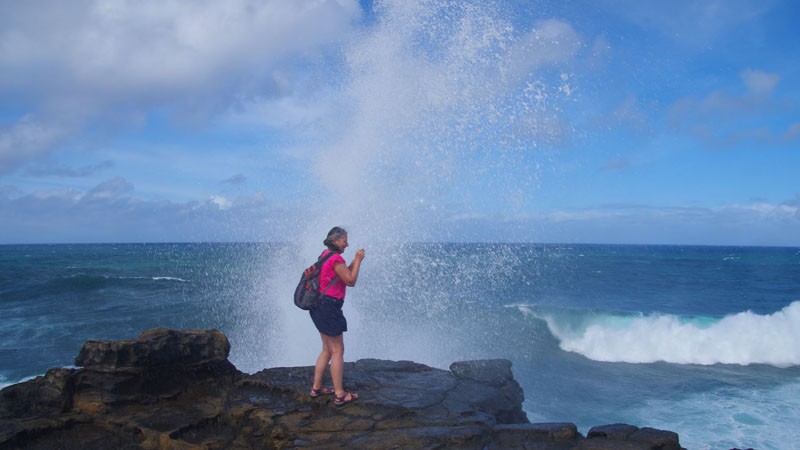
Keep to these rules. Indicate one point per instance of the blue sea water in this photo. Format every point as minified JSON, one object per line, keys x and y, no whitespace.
{"x":704,"y":341}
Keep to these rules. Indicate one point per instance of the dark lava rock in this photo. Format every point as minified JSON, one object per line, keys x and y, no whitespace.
{"x":172,"y":389}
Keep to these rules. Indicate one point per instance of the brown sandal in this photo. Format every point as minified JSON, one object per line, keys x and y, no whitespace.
{"x":321,"y":391}
{"x":341,"y":401}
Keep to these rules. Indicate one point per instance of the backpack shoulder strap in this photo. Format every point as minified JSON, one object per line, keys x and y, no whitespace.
{"x":324,"y":258}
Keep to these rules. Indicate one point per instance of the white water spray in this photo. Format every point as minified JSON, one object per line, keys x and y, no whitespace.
{"x":439,"y":108}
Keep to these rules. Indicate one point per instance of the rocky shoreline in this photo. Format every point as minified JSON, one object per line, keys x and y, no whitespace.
{"x":176,"y":389}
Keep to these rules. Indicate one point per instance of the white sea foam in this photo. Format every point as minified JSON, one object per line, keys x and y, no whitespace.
{"x":5,"y":382}
{"x":181,"y":280}
{"x":743,"y":338}
{"x":759,"y":418}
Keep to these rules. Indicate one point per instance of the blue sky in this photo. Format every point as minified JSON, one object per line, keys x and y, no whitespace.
{"x":586,"y":121}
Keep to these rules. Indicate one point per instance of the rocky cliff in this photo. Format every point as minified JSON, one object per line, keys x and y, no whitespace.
{"x":171,"y":389}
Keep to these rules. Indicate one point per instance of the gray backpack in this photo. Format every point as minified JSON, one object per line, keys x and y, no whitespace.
{"x":307,"y":294}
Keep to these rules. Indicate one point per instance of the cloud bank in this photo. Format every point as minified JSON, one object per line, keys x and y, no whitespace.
{"x":78,"y":67}
{"x":144,"y":120}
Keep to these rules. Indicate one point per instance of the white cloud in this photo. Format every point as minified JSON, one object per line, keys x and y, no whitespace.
{"x":62,"y":170}
{"x":112,"y":212}
{"x":723,"y":119}
{"x":144,"y":45}
{"x":9,"y":192}
{"x":779,"y":211}
{"x":70,"y":66}
{"x":757,"y":223}
{"x":629,"y":114}
{"x":111,"y":209}
{"x":220,"y":201}
{"x":25,"y":140}
{"x":64,"y":196}
{"x":759,"y":82}
{"x":792,"y":133}
{"x":548,"y":42}
{"x":237,"y":179}
{"x":110,"y":189}
{"x":694,"y":23}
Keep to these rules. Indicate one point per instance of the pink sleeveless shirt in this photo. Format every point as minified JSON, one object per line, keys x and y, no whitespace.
{"x":327,"y":273}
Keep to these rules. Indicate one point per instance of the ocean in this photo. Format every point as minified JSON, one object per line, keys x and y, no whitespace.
{"x":704,"y":341}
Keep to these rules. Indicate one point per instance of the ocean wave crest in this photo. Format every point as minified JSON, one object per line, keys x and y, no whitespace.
{"x":743,"y":338}
{"x":180,"y":280}
{"x":84,"y":282}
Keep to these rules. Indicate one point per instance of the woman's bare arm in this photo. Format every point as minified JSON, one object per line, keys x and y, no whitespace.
{"x":349,"y":275}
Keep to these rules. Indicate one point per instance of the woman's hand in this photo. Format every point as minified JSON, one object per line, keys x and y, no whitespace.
{"x":360,"y":254}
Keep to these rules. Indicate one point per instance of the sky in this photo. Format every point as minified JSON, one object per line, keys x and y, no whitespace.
{"x":604,"y":121}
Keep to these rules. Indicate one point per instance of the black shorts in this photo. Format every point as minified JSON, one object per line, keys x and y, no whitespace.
{"x":328,"y":317}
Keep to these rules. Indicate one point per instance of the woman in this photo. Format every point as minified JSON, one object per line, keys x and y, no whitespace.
{"x":327,"y":315}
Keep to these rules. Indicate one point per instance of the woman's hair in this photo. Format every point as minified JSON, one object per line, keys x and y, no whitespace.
{"x":334,"y":234}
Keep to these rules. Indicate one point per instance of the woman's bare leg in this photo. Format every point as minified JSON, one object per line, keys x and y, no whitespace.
{"x":336,"y":347}
{"x":322,"y":362}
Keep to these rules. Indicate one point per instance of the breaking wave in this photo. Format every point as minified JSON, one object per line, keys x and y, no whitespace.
{"x":743,"y":338}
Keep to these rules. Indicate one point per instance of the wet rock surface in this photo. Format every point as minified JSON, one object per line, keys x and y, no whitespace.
{"x":172,"y":389}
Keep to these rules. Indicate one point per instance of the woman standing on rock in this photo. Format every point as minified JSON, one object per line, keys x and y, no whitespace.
{"x":327,"y":315}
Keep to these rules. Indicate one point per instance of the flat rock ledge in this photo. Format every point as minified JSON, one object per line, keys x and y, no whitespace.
{"x":176,"y":389}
